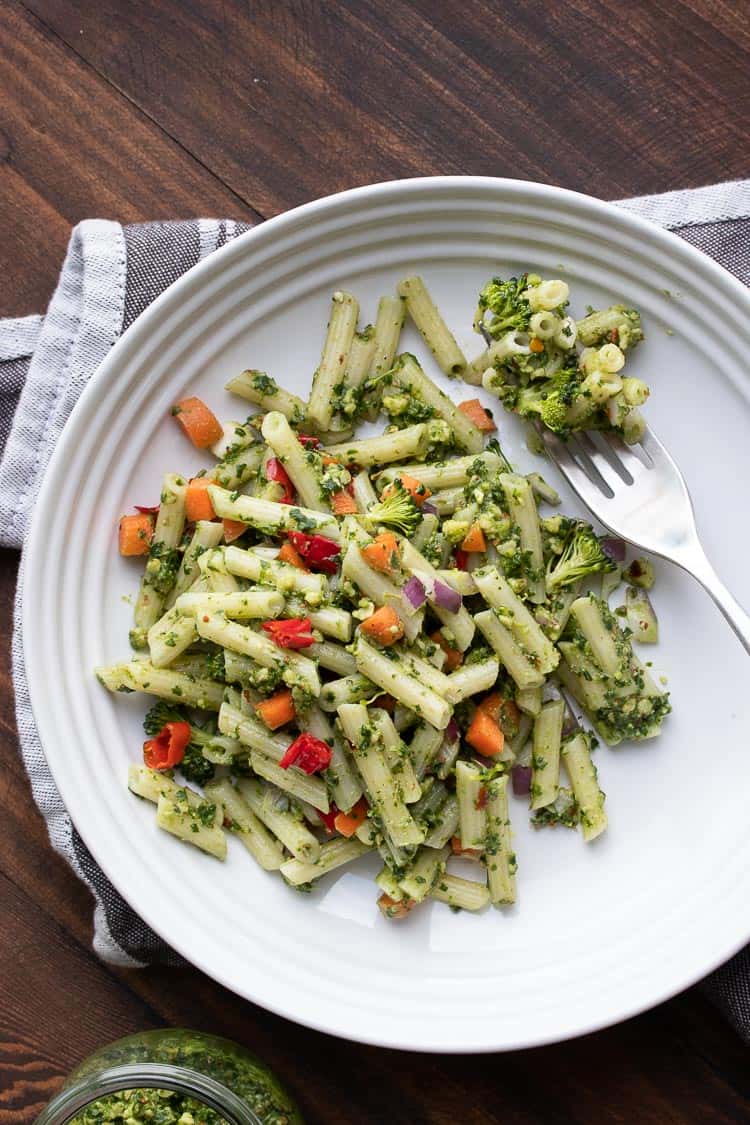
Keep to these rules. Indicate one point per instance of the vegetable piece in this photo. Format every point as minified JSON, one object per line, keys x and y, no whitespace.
{"x":503,"y":711}
{"x":477,"y":414}
{"x":521,"y":779}
{"x":147,"y":509}
{"x":485,"y":734}
{"x":308,"y":754}
{"x":443,"y":595}
{"x":291,"y":555}
{"x":614,"y":548}
{"x":474,"y":541}
{"x":414,"y":593}
{"x":199,"y":423}
{"x":641,"y":616}
{"x":396,"y":509}
{"x":348,"y":823}
{"x":466,"y":853}
{"x":462,"y":559}
{"x":640,"y":573}
{"x":277,"y":710}
{"x":536,"y":345}
{"x":276,"y":472}
{"x":582,"y":556}
{"x":384,"y":626}
{"x":134,"y":535}
{"x":418,"y":492}
{"x":393,"y":909}
{"x":317,"y":551}
{"x":233,"y":529}
{"x":198,"y":504}
{"x":343,"y":503}
{"x":382,"y":553}
{"x":292,"y":632}
{"x":167,"y":748}
{"x":453,"y":656}
{"x":503,"y":307}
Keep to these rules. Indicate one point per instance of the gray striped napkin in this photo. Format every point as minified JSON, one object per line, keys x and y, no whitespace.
{"x":110,"y":275}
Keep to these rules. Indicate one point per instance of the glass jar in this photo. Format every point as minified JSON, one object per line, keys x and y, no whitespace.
{"x":229,"y":1083}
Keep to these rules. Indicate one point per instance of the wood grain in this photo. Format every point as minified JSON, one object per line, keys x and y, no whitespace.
{"x":135,"y":110}
{"x":71,"y":148}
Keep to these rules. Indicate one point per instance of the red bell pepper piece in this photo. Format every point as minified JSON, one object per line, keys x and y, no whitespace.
{"x":462,"y":559}
{"x":153,"y":511}
{"x":309,"y":754}
{"x":329,"y":818}
{"x":307,"y":440}
{"x":275,"y":471}
{"x":291,"y":632}
{"x":168,"y":748}
{"x":316,"y":550}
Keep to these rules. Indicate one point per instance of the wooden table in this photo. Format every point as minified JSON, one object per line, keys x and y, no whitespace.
{"x":132,"y":110}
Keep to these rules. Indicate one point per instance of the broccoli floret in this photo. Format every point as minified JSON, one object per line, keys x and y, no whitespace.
{"x":194,"y":766}
{"x":554,"y":413}
{"x":162,"y":566}
{"x":503,"y":307}
{"x":615,"y":325}
{"x":397,"y":509}
{"x":581,"y":556}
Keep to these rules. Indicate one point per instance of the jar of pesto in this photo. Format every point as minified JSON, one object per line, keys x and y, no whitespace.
{"x":171,"y":1077}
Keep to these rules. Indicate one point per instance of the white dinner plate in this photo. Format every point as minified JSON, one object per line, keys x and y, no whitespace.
{"x":599,"y":931}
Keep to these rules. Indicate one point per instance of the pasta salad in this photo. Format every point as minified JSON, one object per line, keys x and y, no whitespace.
{"x":386,"y":644}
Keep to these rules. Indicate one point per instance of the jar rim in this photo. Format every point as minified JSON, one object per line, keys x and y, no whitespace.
{"x":148,"y":1076}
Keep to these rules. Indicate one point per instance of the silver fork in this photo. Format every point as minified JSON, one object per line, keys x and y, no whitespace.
{"x":638,"y":492}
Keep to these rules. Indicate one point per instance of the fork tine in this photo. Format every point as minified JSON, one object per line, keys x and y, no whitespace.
{"x":626,"y":454}
{"x":606,"y":460}
{"x":577,"y":477}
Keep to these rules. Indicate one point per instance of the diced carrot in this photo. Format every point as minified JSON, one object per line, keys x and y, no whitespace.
{"x":485,"y":734}
{"x":393,"y":909}
{"x":233,"y":529}
{"x":536,"y":345}
{"x":477,"y":414}
{"x":291,"y":555}
{"x":458,"y":849}
{"x":199,"y":423}
{"x":474,"y":539}
{"x":503,"y":711}
{"x":348,"y":823}
{"x":327,"y":459}
{"x":384,"y":626}
{"x":277,"y":710}
{"x":418,"y":492}
{"x":453,"y":657}
{"x":343,"y":504}
{"x":198,"y":504}
{"x":382,"y":553}
{"x":134,"y":534}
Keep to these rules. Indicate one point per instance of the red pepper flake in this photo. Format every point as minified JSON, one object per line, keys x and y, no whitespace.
{"x":308,"y":754}
{"x":316,"y":550}
{"x":276,"y":472}
{"x":290,"y":632}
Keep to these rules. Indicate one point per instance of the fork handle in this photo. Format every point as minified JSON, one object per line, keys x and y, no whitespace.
{"x":737,"y":617}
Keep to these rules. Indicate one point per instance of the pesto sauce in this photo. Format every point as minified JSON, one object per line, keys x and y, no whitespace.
{"x":218,"y":1058}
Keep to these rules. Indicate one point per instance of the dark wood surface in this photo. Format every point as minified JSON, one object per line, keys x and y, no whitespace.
{"x":140,"y":109}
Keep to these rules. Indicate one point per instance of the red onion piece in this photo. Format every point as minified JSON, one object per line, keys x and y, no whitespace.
{"x":614,"y":548}
{"x":521,"y":779}
{"x":414,"y":592}
{"x":452,"y":733}
{"x":429,"y":509}
{"x":446,"y":597}
{"x":145,"y":510}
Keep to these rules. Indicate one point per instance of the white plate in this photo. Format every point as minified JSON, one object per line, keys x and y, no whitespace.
{"x":599,"y":932}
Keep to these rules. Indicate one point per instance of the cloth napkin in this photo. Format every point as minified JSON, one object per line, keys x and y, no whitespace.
{"x":110,"y":275}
